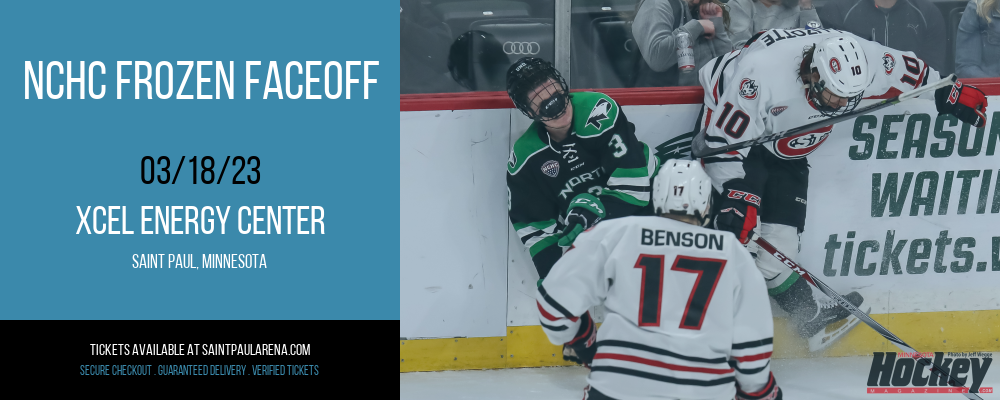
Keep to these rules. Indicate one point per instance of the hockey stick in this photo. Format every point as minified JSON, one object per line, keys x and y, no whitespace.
{"x":809,"y":277}
{"x":701,"y":150}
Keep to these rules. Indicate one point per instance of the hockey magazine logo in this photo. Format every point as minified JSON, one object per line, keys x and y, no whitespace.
{"x":902,"y":373}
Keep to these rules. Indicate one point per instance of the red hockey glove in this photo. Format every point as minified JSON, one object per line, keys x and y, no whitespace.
{"x":771,"y":391}
{"x":581,"y":349}
{"x":966,"y":102}
{"x":738,"y":213}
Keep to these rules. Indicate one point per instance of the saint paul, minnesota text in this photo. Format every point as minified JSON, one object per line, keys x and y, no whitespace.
{"x":178,"y":261}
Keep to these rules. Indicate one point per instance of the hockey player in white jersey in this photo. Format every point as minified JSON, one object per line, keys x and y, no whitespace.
{"x":687,"y":310}
{"x":780,"y":80}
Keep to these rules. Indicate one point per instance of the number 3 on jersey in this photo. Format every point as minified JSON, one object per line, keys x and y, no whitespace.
{"x":651,"y":294}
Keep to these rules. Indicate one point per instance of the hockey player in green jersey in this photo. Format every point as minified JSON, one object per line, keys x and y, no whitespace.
{"x":578,"y":163}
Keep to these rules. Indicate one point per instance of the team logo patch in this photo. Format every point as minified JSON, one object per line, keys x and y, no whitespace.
{"x":599,"y":113}
{"x":778,"y":110}
{"x":835,"y":65}
{"x":551,"y":168}
{"x":748,"y":89}
{"x":801,"y":145}
{"x":888,"y":62}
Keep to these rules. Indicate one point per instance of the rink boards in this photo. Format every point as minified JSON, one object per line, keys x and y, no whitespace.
{"x":903,"y":207}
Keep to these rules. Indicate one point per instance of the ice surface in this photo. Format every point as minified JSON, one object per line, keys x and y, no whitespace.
{"x":814,"y":379}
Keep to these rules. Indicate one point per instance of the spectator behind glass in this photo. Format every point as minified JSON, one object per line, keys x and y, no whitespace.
{"x":907,"y":25}
{"x":654,"y":28}
{"x":748,"y":17}
{"x":423,"y":50}
{"x":977,"y":54}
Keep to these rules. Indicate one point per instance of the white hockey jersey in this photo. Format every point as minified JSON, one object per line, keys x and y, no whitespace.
{"x":756,"y":90}
{"x":687,"y":309}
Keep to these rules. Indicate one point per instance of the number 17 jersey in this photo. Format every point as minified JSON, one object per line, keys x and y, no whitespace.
{"x":687,"y":309}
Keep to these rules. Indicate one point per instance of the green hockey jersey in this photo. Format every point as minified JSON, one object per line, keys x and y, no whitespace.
{"x":600,"y":155}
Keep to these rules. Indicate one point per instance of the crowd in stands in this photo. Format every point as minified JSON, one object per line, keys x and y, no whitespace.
{"x":467,"y":45}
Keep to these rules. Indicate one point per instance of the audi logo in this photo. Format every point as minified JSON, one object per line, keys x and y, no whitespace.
{"x":521,"y":48}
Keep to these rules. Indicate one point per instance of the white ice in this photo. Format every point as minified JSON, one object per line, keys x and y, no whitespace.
{"x":814,"y":379}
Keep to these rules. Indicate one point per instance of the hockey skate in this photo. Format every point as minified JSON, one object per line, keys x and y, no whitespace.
{"x":831,"y":322}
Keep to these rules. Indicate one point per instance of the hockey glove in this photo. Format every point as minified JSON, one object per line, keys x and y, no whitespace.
{"x":966,"y":102}
{"x":584,"y":212}
{"x":581,"y":349}
{"x":771,"y":391}
{"x":738,"y":213}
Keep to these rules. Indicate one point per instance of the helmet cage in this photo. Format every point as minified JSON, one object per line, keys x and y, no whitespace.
{"x":816,"y":90}
{"x":529,"y":74}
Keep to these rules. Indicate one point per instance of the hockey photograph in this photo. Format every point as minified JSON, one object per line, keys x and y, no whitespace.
{"x":702,"y":199}
{"x":192,"y":197}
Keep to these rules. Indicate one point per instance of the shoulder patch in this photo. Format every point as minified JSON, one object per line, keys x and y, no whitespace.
{"x":748,"y":89}
{"x":888,"y":62}
{"x":526,"y":146}
{"x":593,"y":113}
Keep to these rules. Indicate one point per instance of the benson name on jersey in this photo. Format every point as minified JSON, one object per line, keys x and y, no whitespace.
{"x":660,"y":237}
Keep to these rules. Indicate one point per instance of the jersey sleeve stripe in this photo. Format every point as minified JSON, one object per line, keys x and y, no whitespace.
{"x":552,"y":302}
{"x":554,"y":328}
{"x":712,"y":160}
{"x":922,"y":79}
{"x":546,"y":314}
{"x":532,"y":235}
{"x":767,"y":387}
{"x":753,"y":343}
{"x":714,"y":139}
{"x":663,"y":352}
{"x":541,"y":242}
{"x":630,"y":188}
{"x":585,"y":333}
{"x":532,"y":227}
{"x":755,"y":357}
{"x":635,"y":198}
{"x":663,"y":378}
{"x":660,"y":364}
{"x":748,"y":371}
{"x":637,"y":183}
{"x":640,"y":172}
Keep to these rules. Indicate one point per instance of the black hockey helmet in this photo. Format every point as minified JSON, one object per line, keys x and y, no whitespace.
{"x":530,"y":78}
